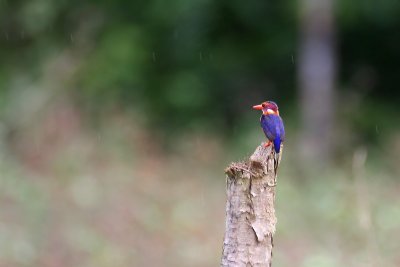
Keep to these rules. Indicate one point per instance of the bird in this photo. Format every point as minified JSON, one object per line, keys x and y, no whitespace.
{"x":272,"y":125}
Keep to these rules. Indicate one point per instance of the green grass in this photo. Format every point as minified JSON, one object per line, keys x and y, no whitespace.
{"x":116,"y":197}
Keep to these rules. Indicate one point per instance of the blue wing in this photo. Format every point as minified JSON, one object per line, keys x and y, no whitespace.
{"x":274,"y":130}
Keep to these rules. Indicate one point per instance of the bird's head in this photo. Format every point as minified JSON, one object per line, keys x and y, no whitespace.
{"x":268,"y":108}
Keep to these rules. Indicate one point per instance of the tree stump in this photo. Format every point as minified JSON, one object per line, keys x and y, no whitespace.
{"x":250,"y":212}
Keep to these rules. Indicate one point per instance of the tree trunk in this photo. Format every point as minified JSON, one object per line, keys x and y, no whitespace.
{"x":316,"y":75}
{"x":250,"y":212}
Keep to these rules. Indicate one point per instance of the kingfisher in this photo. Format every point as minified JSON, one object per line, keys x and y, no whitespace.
{"x":272,"y":124}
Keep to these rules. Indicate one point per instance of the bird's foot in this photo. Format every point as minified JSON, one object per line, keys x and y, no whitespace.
{"x":267,"y":144}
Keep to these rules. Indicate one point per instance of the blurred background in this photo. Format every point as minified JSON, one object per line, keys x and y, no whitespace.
{"x":118,"y":118}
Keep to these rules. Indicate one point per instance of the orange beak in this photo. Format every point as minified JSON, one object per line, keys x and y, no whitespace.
{"x":258,"y":107}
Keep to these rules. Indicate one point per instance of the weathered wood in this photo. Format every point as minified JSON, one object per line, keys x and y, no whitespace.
{"x":250,"y":212}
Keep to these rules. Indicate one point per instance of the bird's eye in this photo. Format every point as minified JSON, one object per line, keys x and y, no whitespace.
{"x":263,"y":105}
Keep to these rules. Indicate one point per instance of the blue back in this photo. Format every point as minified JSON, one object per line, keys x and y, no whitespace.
{"x":274,"y":130}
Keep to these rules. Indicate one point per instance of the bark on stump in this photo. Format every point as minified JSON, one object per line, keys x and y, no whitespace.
{"x":250,"y":212}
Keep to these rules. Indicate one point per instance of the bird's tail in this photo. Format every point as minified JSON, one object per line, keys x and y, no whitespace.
{"x":277,"y":144}
{"x":277,"y":156}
